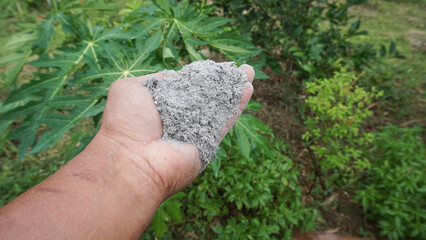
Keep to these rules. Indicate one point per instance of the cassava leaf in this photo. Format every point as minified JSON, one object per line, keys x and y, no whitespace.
{"x":73,"y":80}
{"x":60,"y":124}
{"x":183,"y":21}
{"x":46,"y":33}
{"x":242,"y":140}
{"x":15,"y":52}
{"x":169,"y":50}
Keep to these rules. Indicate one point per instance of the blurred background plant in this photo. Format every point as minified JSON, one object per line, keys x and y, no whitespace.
{"x":325,"y":78}
{"x":393,"y":188}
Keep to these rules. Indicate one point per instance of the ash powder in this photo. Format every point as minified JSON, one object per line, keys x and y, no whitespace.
{"x":196,"y":102}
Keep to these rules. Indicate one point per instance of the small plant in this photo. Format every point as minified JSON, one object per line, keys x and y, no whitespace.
{"x":336,"y":109}
{"x":393,"y":189}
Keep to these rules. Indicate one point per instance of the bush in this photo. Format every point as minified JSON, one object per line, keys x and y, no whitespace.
{"x":393,"y":189}
{"x":254,"y":195}
{"x":312,"y":37}
{"x":335,"y":111}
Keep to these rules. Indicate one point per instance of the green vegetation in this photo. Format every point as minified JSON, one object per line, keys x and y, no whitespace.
{"x":394,"y":188}
{"x":336,"y":110}
{"x":255,"y":193}
{"x":309,"y":37}
{"x":359,"y":100}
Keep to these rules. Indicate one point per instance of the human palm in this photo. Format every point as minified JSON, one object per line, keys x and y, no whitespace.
{"x":132,"y":120}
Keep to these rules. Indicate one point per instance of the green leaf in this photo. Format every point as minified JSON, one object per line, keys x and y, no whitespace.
{"x":298,"y":54}
{"x":212,"y":24}
{"x":216,"y":163}
{"x":146,"y":47}
{"x":309,"y":68}
{"x":382,"y":50}
{"x":173,"y":209}
{"x":392,"y":48}
{"x":27,"y":134}
{"x":158,"y":224}
{"x":253,"y":105}
{"x":4,"y":130}
{"x":354,"y":26}
{"x":295,"y":49}
{"x":15,"y":52}
{"x":190,"y":47}
{"x":43,"y":40}
{"x":60,"y":124}
{"x":149,"y":23}
{"x":253,"y":129}
{"x":242,"y":140}
{"x":228,"y":48}
{"x":169,"y":50}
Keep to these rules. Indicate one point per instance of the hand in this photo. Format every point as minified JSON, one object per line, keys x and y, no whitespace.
{"x":112,"y":189}
{"x":133,"y":122}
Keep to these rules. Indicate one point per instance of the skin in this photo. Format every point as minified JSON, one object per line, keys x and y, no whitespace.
{"x":113,"y":188}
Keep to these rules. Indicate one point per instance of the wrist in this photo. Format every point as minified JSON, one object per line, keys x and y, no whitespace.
{"x":124,"y":168}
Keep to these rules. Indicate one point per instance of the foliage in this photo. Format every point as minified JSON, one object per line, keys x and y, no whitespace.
{"x":16,"y":178}
{"x":402,"y":78}
{"x":72,"y":82}
{"x":72,"y":85}
{"x":394,"y":187}
{"x":310,"y":36}
{"x":168,"y":211}
{"x":189,"y":27}
{"x":249,"y":192}
{"x":336,"y":111}
{"x":15,"y":52}
{"x":255,"y":195}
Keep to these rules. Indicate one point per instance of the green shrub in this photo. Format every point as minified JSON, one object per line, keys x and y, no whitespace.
{"x":254,"y":195}
{"x":335,"y":111}
{"x":393,"y":189}
{"x":249,"y":192}
{"x":312,"y":37}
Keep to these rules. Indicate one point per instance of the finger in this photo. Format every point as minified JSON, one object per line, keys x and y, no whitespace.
{"x":249,"y":71}
{"x":247,"y":92}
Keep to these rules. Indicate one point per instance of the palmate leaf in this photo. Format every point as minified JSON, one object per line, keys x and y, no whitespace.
{"x":122,"y":62}
{"x":60,"y":123}
{"x":73,"y":82}
{"x":88,"y":106}
{"x":50,"y":107}
{"x":63,"y":11}
{"x":46,"y":33}
{"x":182,"y":22}
{"x":69,"y":6}
{"x":15,"y":52}
{"x":169,"y":50}
{"x":250,"y":134}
